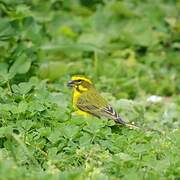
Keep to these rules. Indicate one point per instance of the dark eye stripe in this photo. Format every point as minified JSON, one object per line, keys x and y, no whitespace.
{"x":79,"y":80}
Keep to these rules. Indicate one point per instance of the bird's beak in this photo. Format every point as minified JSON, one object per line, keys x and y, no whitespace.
{"x":70,"y":84}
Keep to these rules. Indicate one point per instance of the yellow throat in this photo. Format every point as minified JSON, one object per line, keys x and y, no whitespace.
{"x":77,"y":94}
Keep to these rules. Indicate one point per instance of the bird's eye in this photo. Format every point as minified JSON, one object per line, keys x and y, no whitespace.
{"x":79,"y":81}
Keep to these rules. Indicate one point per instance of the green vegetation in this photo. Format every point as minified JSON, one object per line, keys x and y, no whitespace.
{"x":129,"y":48}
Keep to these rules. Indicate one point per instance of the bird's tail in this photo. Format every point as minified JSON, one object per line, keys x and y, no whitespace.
{"x":120,"y":120}
{"x":123,"y":122}
{"x":132,"y":126}
{"x":110,"y":113}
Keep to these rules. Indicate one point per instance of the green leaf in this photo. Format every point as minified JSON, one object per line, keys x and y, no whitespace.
{"x":21,"y":65}
{"x":22,"y":88}
{"x":71,"y":47}
{"x":22,"y":106}
{"x":27,"y":124}
{"x":71,"y":131}
{"x":4,"y":131}
{"x":85,"y":139}
{"x":124,"y":156}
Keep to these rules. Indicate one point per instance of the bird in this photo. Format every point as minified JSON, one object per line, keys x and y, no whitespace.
{"x":88,"y":101}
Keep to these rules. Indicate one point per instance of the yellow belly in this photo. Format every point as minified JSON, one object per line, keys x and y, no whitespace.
{"x":76,"y":95}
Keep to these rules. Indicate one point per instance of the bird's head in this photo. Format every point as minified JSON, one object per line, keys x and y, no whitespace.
{"x":80,"y":83}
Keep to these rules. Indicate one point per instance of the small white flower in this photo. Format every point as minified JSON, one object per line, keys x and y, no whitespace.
{"x":154,"y":99}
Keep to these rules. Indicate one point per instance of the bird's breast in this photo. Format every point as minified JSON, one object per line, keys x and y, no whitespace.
{"x":76,"y":96}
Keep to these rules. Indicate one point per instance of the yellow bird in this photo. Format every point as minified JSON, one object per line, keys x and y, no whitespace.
{"x":87,"y":101}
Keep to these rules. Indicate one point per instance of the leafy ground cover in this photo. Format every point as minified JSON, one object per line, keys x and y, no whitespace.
{"x":130,"y":49}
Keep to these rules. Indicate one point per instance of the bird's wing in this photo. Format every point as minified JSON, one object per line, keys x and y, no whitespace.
{"x":95,"y":104}
{"x":91,"y":102}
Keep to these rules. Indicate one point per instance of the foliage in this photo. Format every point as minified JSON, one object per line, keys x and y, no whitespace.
{"x":131,"y":51}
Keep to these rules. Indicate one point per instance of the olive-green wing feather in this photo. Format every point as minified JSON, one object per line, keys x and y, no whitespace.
{"x":93,"y":103}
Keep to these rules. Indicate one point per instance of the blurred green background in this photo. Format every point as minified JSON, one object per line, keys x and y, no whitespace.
{"x":129,"y":48}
